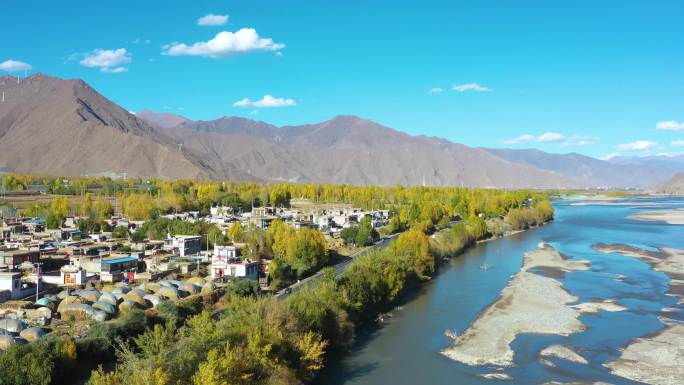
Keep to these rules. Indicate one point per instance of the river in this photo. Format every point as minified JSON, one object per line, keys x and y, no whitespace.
{"x":406,"y":349}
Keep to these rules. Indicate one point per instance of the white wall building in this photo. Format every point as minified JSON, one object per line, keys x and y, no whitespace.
{"x":186,"y":245}
{"x":235,"y":268}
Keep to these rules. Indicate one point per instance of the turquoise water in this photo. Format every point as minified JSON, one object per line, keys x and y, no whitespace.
{"x":406,"y":350}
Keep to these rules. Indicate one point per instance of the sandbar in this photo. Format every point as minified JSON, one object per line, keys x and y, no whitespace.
{"x":672,"y":217}
{"x":655,"y":359}
{"x":530,"y":303}
{"x":564,"y":352}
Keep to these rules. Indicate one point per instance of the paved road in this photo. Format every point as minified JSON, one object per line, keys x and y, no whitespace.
{"x":339,"y":267}
{"x":342,"y":266}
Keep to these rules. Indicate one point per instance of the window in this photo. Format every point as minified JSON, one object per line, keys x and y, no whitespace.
{"x":232,"y":271}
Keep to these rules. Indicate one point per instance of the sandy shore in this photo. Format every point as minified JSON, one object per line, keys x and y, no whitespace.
{"x":564,"y":352}
{"x":672,"y":217}
{"x":529,"y":304}
{"x":667,"y":260}
{"x":595,"y":307}
{"x":654,"y":360}
{"x":496,"y":376}
{"x":575,"y":383}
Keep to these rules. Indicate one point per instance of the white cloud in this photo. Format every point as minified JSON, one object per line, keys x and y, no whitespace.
{"x":211,"y":20}
{"x":114,"y":70}
{"x":223,"y":44}
{"x":554,"y":137}
{"x":525,"y":138}
{"x":470,"y":87}
{"x":578,"y":140}
{"x":670,"y":125}
{"x":609,"y":156}
{"x":14,"y":66}
{"x":267,"y":101}
{"x":107,"y":60}
{"x":141,"y":41}
{"x":677,"y":143}
{"x":435,"y":90}
{"x":639,"y":145}
{"x":551,"y":137}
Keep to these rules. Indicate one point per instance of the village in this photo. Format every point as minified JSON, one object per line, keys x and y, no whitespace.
{"x":52,"y":276}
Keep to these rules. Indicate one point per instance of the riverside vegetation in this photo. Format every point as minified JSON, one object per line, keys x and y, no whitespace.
{"x":246,"y":338}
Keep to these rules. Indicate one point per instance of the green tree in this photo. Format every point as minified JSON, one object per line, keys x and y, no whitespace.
{"x":29,"y":364}
{"x":366,"y":235}
{"x":236,"y":232}
{"x":243,"y":287}
{"x":120,"y":232}
{"x":349,"y":235}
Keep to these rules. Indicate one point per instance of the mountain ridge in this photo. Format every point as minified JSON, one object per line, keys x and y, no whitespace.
{"x":56,"y":126}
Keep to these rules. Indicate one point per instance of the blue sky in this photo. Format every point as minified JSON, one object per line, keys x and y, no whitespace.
{"x":595,"y":77}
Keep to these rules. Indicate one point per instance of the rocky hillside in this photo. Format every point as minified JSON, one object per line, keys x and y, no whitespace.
{"x":674,"y":185}
{"x":55,"y":126}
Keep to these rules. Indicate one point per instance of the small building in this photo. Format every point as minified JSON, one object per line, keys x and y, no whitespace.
{"x":116,"y":269}
{"x":13,"y":259}
{"x":5,"y":232}
{"x":262,"y":217}
{"x":235,"y":268}
{"x":71,"y":234}
{"x":72,"y":275}
{"x":221,"y":211}
{"x":186,"y":245}
{"x":225,"y":252}
{"x":10,"y":286}
{"x":101,"y":237}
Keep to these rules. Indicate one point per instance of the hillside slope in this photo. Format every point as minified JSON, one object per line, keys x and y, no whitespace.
{"x":54,"y":126}
{"x":348,"y":149}
{"x":674,"y":185}
{"x":593,"y":172}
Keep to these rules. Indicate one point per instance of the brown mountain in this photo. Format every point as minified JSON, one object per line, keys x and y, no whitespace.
{"x":594,"y":172}
{"x":674,"y":185}
{"x":161,"y":119}
{"x":348,"y":149}
{"x":54,"y":126}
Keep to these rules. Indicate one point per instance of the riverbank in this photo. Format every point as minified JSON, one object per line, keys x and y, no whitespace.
{"x":512,"y":232}
{"x":531,"y":303}
{"x":672,"y":216}
{"x":654,"y":359}
{"x":666,"y":260}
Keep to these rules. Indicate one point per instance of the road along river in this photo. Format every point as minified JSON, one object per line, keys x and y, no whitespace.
{"x":594,"y":297}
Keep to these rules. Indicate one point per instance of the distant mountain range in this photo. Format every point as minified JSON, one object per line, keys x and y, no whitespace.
{"x":54,"y":126}
{"x":637,"y":172}
{"x":674,"y":185}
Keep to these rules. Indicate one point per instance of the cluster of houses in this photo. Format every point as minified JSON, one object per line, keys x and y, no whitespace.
{"x":56,"y":274}
{"x":329,"y":221}
{"x":34,"y":259}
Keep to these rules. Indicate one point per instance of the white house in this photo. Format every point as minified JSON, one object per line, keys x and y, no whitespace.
{"x":221,"y":211}
{"x":11,"y":286}
{"x":235,"y":268}
{"x":225,"y":263}
{"x":186,"y":245}
{"x":72,"y":275}
{"x":224,"y":252}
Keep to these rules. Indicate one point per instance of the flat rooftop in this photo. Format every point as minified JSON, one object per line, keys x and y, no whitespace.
{"x":119,"y":260}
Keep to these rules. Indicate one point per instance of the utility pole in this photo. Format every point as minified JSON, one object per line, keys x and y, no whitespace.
{"x":37,"y":278}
